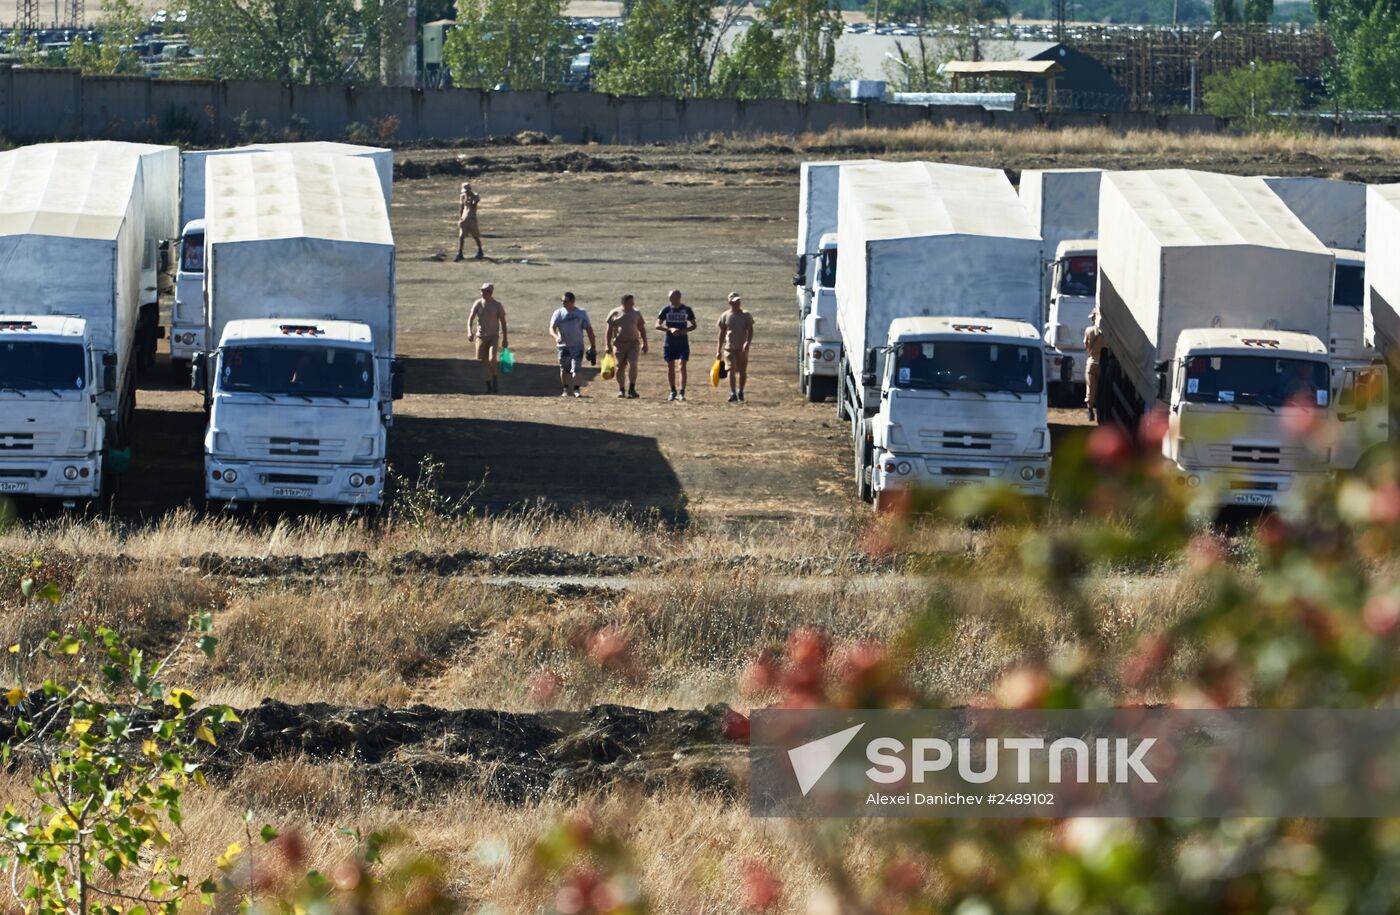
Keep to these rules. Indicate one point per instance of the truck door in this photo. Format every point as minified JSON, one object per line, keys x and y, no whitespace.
{"x":1363,"y":413}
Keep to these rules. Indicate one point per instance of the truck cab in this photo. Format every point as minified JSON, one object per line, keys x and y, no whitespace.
{"x":296,"y":413}
{"x":1226,"y":433}
{"x":821,"y":340}
{"x":1074,"y":280}
{"x":52,"y":433}
{"x":187,"y":314}
{"x":962,"y":402}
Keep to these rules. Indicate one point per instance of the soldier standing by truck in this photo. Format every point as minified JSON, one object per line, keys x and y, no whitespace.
{"x":677,"y":320}
{"x":1093,"y":354}
{"x":735,"y":335}
{"x":627,"y":340}
{"x":486,"y":326}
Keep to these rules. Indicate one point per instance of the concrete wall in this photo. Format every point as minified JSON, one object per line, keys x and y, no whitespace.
{"x":37,"y":105}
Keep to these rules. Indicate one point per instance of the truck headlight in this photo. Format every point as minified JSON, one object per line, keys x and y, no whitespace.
{"x":1028,"y":473}
{"x":187,"y":339}
{"x":828,"y":355}
{"x":230,"y":476}
{"x":904,"y":467}
{"x":357,"y":480}
{"x":70,"y":472}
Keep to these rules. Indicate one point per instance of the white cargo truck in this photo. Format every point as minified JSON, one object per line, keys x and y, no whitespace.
{"x":937,"y":302}
{"x":1063,"y":204}
{"x":1382,"y":311}
{"x":187,"y":314}
{"x":1214,"y":302}
{"x":1335,"y":212}
{"x":300,"y":263}
{"x":817,"y":342}
{"x":71,"y":230}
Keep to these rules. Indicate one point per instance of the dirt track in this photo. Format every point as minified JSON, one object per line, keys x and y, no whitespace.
{"x":601,"y":221}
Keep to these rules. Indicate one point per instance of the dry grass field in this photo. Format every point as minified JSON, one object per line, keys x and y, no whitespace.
{"x":633,"y":553}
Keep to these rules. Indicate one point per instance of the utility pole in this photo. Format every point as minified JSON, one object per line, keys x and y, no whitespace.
{"x":1061,"y":14}
{"x":75,"y":13}
{"x":26,"y":15}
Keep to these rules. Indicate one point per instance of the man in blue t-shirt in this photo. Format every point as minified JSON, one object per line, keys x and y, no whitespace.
{"x":568,"y":326}
{"x":677,"y":321}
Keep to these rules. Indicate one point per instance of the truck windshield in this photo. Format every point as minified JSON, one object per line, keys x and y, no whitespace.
{"x":1265,"y":380}
{"x":947,"y":366}
{"x":27,"y":365}
{"x":827,"y":278}
{"x":1349,"y":287}
{"x":298,"y":371}
{"x":192,"y":253}
{"x":1079,"y":275}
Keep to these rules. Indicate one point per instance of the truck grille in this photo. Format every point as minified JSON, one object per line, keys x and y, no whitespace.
{"x":1256,"y":455}
{"x":286,"y":446}
{"x":1253,"y":484}
{"x":21,"y":474}
{"x":27,"y":441}
{"x":303,"y":478}
{"x":965,"y":441}
{"x":961,"y":471}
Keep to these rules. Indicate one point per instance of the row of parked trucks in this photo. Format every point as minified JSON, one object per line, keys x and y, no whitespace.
{"x":285,"y":312}
{"x":958,"y":313}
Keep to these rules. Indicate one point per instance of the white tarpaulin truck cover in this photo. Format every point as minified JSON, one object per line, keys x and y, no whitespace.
{"x":1383,"y":267}
{"x":1063,"y":203}
{"x":160,"y":182}
{"x":925,"y":239}
{"x":1334,"y":211}
{"x":1182,"y":249}
{"x":298,"y":236}
{"x":193,"y":166}
{"x":816,"y":201}
{"x":71,"y":231}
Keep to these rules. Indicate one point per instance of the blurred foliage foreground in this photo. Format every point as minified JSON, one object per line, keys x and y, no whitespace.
{"x":1297,"y":609}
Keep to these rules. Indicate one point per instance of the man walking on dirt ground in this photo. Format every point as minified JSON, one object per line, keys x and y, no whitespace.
{"x":735,"y":335}
{"x":1093,"y":352}
{"x":627,"y":340}
{"x":677,"y":320}
{"x":467,"y":221}
{"x":568,"y":326}
{"x":486,"y":326}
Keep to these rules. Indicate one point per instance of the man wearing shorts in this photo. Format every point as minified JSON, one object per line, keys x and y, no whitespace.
{"x":627,"y":340}
{"x":486,"y":326}
{"x":467,"y":221}
{"x":735,"y":335}
{"x":677,"y":321}
{"x":568,"y":326}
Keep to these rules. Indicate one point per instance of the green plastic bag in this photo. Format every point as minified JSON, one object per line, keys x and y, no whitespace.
{"x":507,"y":360}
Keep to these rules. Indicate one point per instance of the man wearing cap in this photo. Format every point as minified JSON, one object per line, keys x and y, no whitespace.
{"x":677,"y":320}
{"x":627,"y":340}
{"x":467,"y":222}
{"x":486,"y":326}
{"x":735,"y":335}
{"x":568,"y":326}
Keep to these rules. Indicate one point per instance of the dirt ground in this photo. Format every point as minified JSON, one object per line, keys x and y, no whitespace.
{"x":601,"y":221}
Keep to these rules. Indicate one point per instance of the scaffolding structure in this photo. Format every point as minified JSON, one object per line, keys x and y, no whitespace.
{"x":74,"y":13}
{"x":26,"y":15}
{"x":1153,"y":63}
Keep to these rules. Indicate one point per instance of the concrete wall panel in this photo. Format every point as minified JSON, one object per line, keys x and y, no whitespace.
{"x":322,"y":112}
{"x":46,"y":105}
{"x":823,"y":116}
{"x":761,"y":117}
{"x":509,"y":113}
{"x":252,"y":111}
{"x":879,"y":114}
{"x":450,"y":114}
{"x":387,"y":113}
{"x":185,"y":110}
{"x":584,"y":117}
{"x":702,"y":117}
{"x":958,"y":114}
{"x":649,"y":120}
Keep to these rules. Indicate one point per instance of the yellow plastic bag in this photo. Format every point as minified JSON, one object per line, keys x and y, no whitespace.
{"x":609,"y":366}
{"x":716,"y":373}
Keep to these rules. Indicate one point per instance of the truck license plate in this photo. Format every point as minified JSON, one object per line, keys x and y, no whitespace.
{"x":292,"y":492}
{"x":12,"y":486}
{"x":1251,"y":498}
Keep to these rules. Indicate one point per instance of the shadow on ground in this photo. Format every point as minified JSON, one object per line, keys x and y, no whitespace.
{"x":506,"y":465}
{"x":464,"y":376}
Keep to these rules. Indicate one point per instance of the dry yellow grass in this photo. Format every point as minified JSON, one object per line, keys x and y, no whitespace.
{"x":1038,"y":144}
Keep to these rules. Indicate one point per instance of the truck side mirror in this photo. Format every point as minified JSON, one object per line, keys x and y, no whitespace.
{"x":1162,"y":391}
{"x":396,"y":375}
{"x":199,"y":371}
{"x":799,"y":276}
{"x":867,"y":377}
{"x":109,"y":371}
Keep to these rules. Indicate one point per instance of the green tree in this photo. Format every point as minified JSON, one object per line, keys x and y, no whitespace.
{"x":756,"y":67}
{"x":1253,"y":96}
{"x":664,"y":47}
{"x":1224,"y":12}
{"x":810,"y":29}
{"x":111,"y":750}
{"x":299,"y":41}
{"x":1366,"y":74}
{"x":522,"y":43}
{"x":1259,"y":11}
{"x":119,"y":26}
